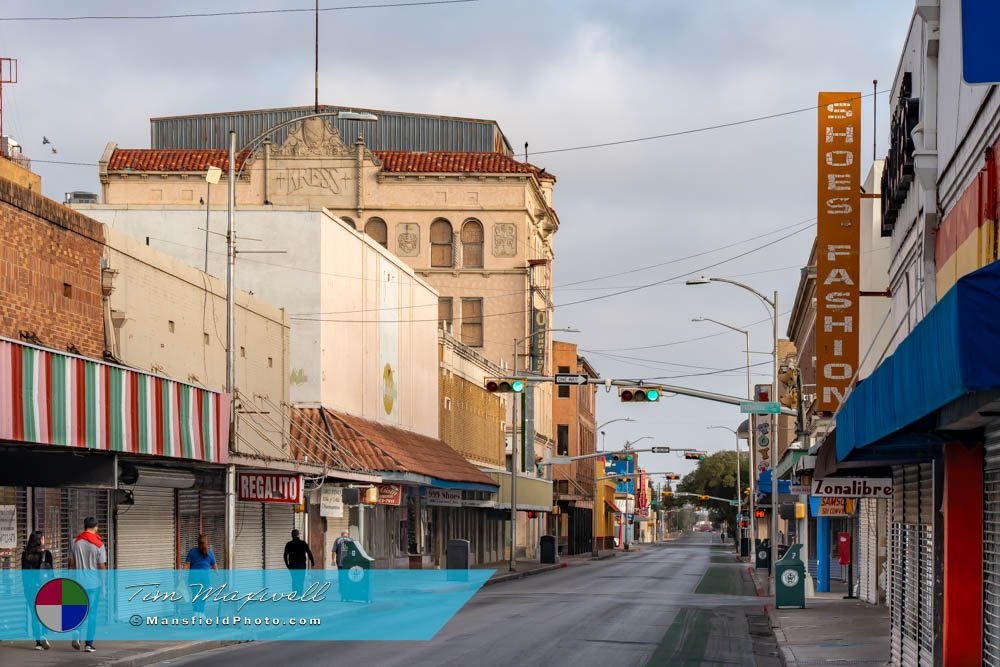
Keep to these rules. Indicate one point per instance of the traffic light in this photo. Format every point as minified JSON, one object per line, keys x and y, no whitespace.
{"x":505,"y":385}
{"x":673,"y":477}
{"x":760,"y":514}
{"x":702,"y":497}
{"x":667,"y":494}
{"x":695,"y":456}
{"x":639,"y":394}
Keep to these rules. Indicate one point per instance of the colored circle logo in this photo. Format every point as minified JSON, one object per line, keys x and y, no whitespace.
{"x":61,"y":605}
{"x":790,"y":578}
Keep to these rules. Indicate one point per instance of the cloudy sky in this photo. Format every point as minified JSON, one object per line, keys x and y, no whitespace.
{"x":554,"y":73}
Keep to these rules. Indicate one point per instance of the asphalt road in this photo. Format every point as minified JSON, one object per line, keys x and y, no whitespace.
{"x":683,"y":603}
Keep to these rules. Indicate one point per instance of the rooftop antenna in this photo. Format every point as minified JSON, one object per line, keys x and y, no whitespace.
{"x":316,"y":68}
{"x":525,"y":151}
{"x":8,"y":74}
{"x":874,"y":119}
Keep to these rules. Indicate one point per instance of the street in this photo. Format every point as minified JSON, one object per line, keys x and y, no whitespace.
{"x":688,"y":602}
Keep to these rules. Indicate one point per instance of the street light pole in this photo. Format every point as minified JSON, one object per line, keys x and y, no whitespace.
{"x":514,"y":458}
{"x":772,"y":304}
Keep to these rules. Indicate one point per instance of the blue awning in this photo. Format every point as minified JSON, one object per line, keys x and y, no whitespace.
{"x":764,"y":483}
{"x":950,"y":353}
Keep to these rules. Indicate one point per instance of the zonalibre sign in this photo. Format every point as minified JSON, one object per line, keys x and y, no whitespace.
{"x":852,"y":487}
{"x":838,"y":240}
{"x":269,"y":487}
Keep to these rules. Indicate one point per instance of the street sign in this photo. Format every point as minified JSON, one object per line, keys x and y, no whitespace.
{"x":979,"y":61}
{"x":661,"y":450}
{"x":570,"y":379}
{"x":734,"y":503}
{"x":760,"y":407}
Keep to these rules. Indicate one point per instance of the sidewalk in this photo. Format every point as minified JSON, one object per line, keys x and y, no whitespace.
{"x":830,"y":629}
{"x":109,"y":654}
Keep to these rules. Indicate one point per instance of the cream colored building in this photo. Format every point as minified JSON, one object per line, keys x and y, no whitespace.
{"x":164,"y":316}
{"x":478,"y":226}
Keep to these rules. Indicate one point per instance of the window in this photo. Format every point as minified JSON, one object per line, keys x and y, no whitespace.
{"x":472,"y":322}
{"x":446,"y":311}
{"x":472,"y":244}
{"x":375,"y":228}
{"x":67,"y":290}
{"x":349,"y":221}
{"x":441,"y":244}
{"x":563,"y":389}
{"x":562,"y":440}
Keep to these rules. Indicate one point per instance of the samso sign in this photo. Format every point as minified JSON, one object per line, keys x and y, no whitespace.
{"x":852,"y":487}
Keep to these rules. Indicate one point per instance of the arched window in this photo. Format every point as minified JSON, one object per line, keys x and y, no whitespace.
{"x":349,"y":221}
{"x":472,"y":244}
{"x":375,"y":228}
{"x":441,"y":244}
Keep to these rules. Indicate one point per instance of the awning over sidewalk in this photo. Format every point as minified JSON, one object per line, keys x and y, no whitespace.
{"x":945,"y":357}
{"x":53,"y":398}
{"x":611,"y":507}
{"x":396,"y":454}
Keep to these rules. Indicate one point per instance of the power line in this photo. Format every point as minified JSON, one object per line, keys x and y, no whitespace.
{"x":695,"y":130}
{"x":258,"y":12}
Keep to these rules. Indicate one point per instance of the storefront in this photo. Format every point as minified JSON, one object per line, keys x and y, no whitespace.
{"x":265,"y":516}
{"x":466,"y":515}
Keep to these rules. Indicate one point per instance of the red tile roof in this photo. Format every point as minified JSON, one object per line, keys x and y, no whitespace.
{"x":376,"y":446}
{"x":442,"y":162}
{"x":436,"y":162}
{"x":172,"y":159}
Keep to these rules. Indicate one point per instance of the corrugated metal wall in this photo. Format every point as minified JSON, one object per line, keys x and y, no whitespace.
{"x":392,"y":131}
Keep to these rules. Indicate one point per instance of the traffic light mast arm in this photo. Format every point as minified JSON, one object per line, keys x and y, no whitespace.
{"x":564,"y":460}
{"x":683,"y":391}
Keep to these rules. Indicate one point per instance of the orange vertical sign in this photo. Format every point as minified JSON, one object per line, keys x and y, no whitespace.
{"x":838,"y":241}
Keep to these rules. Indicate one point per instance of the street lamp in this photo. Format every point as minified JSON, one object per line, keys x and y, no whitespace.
{"x":593,"y":541}
{"x":772,"y":304}
{"x":514,"y":463}
{"x":738,"y":330}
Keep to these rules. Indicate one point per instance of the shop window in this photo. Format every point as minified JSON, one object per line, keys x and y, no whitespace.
{"x":442,"y":241}
{"x":375,"y":228}
{"x":472,"y":244}
{"x":562,"y":439}
{"x":472,"y":322}
{"x":446,"y":311}
{"x":563,"y":389}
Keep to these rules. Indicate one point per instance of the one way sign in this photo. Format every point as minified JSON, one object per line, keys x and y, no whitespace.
{"x":571,"y":379}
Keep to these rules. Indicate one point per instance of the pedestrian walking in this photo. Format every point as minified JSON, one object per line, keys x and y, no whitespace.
{"x":35,"y":558}
{"x":340,"y":548}
{"x":298,"y":556}
{"x":200,"y":562}
{"x":89,"y":555}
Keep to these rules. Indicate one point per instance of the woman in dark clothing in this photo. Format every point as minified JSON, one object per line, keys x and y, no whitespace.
{"x":36,"y":557}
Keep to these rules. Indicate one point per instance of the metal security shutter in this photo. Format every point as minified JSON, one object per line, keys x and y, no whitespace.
{"x":991,"y":547}
{"x":867,"y":550}
{"x":77,"y":505}
{"x":279,"y":519}
{"x":213,"y":523}
{"x":147,"y":531}
{"x":911,"y":594}
{"x":202,"y":512}
{"x":249,"y":536}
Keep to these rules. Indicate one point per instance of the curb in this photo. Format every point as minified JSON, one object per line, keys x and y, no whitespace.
{"x":521,"y":575}
{"x":159,"y":655}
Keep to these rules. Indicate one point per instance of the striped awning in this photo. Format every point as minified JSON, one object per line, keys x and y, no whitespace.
{"x":51,"y":398}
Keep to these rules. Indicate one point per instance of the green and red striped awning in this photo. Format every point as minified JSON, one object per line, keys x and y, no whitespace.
{"x":58,"y":399}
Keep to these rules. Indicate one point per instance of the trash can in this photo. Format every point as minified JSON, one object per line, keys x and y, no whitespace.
{"x":791,"y":580}
{"x":762,"y":554}
{"x":355,"y":577}
{"x":456,"y":560}
{"x":547,"y":548}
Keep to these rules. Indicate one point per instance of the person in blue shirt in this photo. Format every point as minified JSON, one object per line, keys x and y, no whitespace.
{"x":200,"y":561}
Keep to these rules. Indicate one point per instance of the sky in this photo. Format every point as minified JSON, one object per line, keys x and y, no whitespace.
{"x":553,"y":73}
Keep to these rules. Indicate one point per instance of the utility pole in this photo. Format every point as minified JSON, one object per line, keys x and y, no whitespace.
{"x":230,"y":351}
{"x":514,"y":464}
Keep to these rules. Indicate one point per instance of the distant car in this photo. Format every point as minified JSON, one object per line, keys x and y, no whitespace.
{"x":705,"y":528}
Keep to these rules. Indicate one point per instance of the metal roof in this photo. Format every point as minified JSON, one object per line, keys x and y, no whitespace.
{"x":394,"y":130}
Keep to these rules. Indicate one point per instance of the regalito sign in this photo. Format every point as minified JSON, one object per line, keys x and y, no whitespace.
{"x":852,"y":487}
{"x":838,"y":240}
{"x":269,"y":487}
